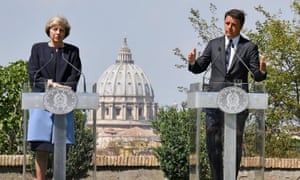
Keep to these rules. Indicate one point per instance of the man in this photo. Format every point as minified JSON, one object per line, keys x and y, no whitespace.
{"x":231,"y":57}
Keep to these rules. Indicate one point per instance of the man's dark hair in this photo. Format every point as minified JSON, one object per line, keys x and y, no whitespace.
{"x":236,"y":14}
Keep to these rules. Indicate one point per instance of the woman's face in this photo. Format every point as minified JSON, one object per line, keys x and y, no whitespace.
{"x":57,"y":33}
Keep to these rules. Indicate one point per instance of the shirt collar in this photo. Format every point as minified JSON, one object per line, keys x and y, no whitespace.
{"x":234,"y":41}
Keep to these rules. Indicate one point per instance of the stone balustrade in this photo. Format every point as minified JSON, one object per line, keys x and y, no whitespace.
{"x":151,"y":161}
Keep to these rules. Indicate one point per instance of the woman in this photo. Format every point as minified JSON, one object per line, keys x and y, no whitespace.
{"x":51,"y":64}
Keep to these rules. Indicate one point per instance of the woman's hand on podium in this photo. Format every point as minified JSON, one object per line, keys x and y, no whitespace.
{"x":51,"y":84}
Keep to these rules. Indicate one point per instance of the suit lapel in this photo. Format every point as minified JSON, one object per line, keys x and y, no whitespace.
{"x":239,"y":48}
{"x":221,"y":64}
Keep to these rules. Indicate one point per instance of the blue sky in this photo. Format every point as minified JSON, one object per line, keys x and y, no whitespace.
{"x":153,"y":29}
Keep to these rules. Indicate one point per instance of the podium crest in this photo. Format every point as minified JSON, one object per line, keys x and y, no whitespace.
{"x":60,"y":100}
{"x":232,"y":100}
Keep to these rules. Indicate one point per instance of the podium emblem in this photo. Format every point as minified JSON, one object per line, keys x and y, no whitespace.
{"x":60,"y":100}
{"x":232,"y":100}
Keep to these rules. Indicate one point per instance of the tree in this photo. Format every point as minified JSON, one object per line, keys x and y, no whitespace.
{"x":279,"y":41}
{"x":197,"y":136}
{"x":12,"y":79}
{"x":173,"y":127}
{"x":80,"y":154}
{"x":205,"y":32}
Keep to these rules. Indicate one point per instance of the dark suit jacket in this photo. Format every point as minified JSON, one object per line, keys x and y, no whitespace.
{"x":214,"y":53}
{"x":49,"y":63}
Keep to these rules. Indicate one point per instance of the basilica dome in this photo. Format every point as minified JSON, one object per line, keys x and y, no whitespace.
{"x":124,"y":78}
{"x":125,"y":92}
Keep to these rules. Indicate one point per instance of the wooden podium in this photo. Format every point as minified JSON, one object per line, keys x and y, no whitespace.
{"x":59,"y":101}
{"x":231,"y":100}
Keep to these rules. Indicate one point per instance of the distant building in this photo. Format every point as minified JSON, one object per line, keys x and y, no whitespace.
{"x":126,"y":101}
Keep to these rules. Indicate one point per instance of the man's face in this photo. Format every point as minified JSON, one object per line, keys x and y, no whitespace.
{"x":232,"y":27}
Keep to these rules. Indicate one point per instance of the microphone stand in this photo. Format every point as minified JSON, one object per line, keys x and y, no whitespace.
{"x":83,"y":76}
{"x":244,"y":64}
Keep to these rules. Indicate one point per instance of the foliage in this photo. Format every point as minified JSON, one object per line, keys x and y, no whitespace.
{"x":12,"y":79}
{"x":80,"y":154}
{"x":206,"y":31}
{"x":173,"y":127}
{"x":254,"y":135}
{"x":197,"y":134}
{"x":278,"y":40}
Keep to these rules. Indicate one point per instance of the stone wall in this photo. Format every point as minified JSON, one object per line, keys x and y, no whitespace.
{"x":147,"y":168}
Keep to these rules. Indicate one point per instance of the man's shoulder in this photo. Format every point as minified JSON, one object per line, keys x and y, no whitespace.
{"x":246,"y":42}
{"x":218,"y":40}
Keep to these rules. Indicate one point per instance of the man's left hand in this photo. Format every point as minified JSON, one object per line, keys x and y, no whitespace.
{"x":262,"y":65}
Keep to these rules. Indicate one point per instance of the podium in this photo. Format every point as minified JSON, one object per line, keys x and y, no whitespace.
{"x":232,"y":99}
{"x":59,"y":101}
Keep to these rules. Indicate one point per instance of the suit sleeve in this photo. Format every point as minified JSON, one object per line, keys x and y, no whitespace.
{"x":75,"y":74}
{"x":37,"y":81}
{"x":255,"y":64}
{"x":202,"y":62}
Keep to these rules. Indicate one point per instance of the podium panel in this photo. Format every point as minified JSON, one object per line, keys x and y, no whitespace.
{"x":227,"y":121}
{"x":60,"y":101}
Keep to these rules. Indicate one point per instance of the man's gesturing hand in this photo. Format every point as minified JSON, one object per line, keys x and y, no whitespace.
{"x":192,"y":56}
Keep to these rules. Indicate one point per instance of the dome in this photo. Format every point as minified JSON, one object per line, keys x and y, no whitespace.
{"x":126,"y":101}
{"x":124,"y":78}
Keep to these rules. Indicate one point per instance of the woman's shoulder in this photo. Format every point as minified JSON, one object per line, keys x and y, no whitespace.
{"x":68,"y":45}
{"x":40,"y":45}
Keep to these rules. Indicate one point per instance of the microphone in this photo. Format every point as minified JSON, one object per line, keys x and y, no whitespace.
{"x":41,"y":68}
{"x":243,"y":62}
{"x":83,"y":76}
{"x":212,"y":63}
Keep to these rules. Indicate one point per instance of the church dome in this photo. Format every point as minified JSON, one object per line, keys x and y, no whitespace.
{"x":126,"y":102}
{"x":124,"y":78}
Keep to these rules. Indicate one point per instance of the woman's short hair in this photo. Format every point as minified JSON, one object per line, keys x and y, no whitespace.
{"x":58,"y":20}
